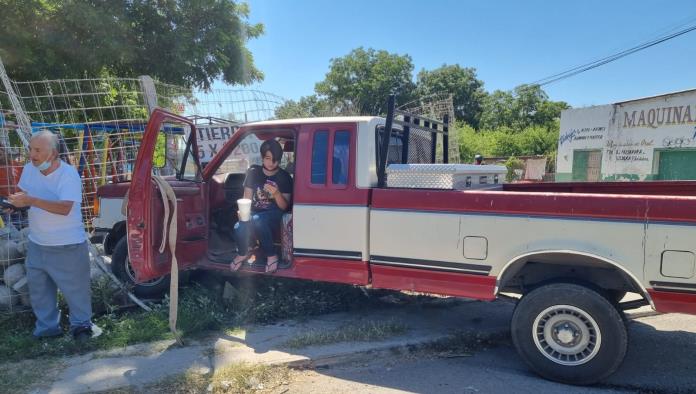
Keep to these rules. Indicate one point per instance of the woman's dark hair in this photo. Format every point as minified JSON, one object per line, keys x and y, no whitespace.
{"x":274,"y":147}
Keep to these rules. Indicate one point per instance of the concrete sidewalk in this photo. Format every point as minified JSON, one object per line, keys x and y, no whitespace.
{"x":142,"y":364}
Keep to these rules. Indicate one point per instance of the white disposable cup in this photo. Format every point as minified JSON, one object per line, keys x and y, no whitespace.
{"x":244,"y":205}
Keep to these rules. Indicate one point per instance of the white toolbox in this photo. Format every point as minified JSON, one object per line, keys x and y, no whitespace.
{"x":445,"y":176}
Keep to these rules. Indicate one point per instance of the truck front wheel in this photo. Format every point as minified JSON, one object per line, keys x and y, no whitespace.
{"x":569,"y":333}
{"x":120,"y":266}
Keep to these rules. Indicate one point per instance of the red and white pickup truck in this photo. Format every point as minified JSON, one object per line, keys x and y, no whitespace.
{"x":570,"y":251}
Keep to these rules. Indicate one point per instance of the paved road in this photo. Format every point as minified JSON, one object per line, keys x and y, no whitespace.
{"x":661,"y":359}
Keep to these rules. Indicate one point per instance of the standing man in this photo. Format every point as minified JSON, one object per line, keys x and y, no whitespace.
{"x":57,"y":251}
{"x":478,"y":160}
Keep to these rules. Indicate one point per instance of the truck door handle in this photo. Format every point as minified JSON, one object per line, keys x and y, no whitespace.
{"x":141,"y":225}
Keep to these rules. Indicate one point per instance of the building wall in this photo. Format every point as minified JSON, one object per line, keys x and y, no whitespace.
{"x":630,"y":135}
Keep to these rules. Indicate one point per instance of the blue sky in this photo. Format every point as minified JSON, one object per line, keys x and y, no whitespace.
{"x":508,"y":42}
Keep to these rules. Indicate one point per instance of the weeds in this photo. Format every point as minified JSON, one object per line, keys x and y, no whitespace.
{"x":19,"y":377}
{"x":236,"y":378}
{"x":363,"y":331}
{"x":197,"y":312}
{"x":201,"y":309}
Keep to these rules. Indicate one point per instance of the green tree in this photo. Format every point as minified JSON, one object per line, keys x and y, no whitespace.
{"x":184,"y":42}
{"x":497,"y":111}
{"x":462,"y":83}
{"x":305,"y":107}
{"x":525,"y":106}
{"x":365,"y":78}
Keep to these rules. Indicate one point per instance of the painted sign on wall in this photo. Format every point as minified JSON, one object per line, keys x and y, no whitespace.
{"x":630,"y":135}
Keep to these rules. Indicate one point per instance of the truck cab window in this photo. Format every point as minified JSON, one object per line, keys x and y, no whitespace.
{"x":340,"y":165}
{"x":319,"y":156}
{"x":395,"y":150}
{"x":242,"y":157}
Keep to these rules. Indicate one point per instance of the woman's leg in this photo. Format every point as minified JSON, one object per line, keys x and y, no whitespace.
{"x":264,"y":223}
{"x":242,"y":236}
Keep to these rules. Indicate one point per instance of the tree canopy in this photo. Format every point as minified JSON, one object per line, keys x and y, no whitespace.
{"x":462,"y":83}
{"x":366,"y":78}
{"x":183,"y":42}
{"x":522,"y":121}
{"x":526,"y":105}
{"x":305,"y":107}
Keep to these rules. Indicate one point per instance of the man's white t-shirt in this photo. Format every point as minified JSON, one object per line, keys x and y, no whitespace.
{"x":63,"y":184}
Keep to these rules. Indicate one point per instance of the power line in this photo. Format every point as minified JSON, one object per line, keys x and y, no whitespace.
{"x":600,"y":62}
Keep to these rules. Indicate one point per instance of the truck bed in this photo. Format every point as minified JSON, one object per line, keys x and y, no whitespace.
{"x":663,"y":188}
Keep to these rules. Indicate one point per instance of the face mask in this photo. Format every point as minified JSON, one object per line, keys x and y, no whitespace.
{"x":44,"y":166}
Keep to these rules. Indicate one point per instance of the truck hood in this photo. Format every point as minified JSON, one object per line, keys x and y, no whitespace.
{"x":113,"y":190}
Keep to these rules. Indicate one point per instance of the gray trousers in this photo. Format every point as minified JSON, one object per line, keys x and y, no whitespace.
{"x":64,"y":267}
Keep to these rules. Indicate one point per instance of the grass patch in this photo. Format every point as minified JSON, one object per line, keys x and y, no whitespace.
{"x":359,"y":332}
{"x":237,"y":378}
{"x":21,"y":376}
{"x":202,"y":309}
{"x":266,"y":300}
{"x":196,"y":313}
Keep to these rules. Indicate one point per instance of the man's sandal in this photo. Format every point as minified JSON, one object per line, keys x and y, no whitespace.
{"x":238,"y":262}
{"x":272,"y":266}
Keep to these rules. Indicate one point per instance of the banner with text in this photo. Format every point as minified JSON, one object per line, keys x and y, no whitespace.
{"x":211,"y":138}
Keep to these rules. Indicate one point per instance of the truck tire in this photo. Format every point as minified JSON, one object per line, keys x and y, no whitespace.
{"x":569,"y":333}
{"x":120,"y":266}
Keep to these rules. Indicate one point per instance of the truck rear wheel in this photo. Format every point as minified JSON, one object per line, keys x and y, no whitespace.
{"x":569,"y":333}
{"x":120,"y":266}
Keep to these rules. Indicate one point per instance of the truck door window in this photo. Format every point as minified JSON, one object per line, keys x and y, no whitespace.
{"x":341,"y":149}
{"x":173,"y":155}
{"x":186,"y":164}
{"x":319,"y":156}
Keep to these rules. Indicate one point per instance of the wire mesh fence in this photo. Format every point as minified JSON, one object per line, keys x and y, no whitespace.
{"x":14,"y":294}
{"x":99,"y":122}
{"x":438,"y":106}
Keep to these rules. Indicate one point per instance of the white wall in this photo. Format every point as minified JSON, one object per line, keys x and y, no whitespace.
{"x":629,"y":133}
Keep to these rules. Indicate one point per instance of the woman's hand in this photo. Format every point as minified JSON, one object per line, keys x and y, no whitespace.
{"x":272,"y":190}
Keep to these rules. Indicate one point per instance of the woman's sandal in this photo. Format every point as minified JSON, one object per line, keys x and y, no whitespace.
{"x":272,"y":266}
{"x":238,"y":262}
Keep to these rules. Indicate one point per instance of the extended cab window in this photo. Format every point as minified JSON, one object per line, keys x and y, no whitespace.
{"x":341,"y":149}
{"x":319,"y":155}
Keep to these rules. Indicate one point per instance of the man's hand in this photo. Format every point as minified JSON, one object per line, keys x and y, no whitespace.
{"x":20,"y":200}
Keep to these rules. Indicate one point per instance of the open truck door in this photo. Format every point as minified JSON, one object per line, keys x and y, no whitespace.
{"x":168,"y":149}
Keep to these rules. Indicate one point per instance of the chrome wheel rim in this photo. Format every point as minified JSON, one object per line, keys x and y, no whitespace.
{"x":566,"y":335}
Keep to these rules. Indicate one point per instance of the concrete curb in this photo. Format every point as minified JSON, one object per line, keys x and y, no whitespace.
{"x":143,"y":364}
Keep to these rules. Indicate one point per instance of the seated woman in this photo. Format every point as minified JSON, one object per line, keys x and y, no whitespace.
{"x":270,"y":188}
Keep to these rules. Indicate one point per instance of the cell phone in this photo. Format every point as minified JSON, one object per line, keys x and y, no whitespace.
{"x":4,"y":204}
